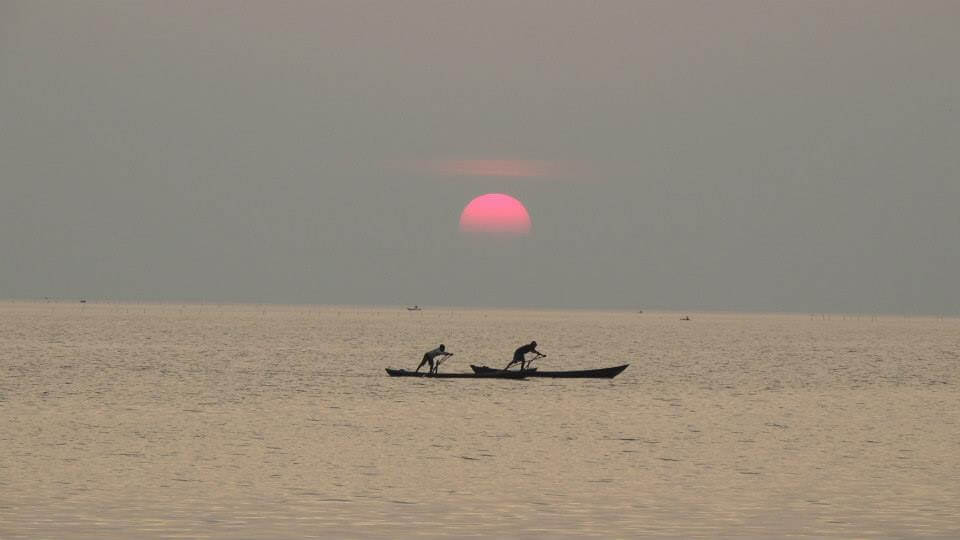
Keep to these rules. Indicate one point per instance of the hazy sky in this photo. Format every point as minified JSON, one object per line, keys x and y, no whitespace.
{"x":789,"y":156}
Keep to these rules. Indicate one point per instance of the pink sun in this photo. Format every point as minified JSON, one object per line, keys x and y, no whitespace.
{"x":495,"y":213}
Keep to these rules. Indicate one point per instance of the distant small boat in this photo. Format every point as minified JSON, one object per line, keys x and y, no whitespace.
{"x":498,"y":374}
{"x":414,"y":308}
{"x":601,"y":373}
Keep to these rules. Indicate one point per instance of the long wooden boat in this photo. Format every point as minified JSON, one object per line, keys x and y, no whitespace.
{"x":496,"y":374}
{"x":601,"y":373}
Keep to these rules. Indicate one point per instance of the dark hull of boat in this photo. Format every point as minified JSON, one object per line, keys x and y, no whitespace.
{"x":493,"y":375}
{"x":602,"y":373}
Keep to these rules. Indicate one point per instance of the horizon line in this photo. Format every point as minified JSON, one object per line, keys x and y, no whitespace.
{"x":428,"y":307}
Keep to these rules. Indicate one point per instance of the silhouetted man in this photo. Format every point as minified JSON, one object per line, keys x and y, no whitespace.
{"x":519,"y":355}
{"x":430,"y":355}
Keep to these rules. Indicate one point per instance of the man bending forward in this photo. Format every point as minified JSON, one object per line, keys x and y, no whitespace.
{"x":428,"y":358}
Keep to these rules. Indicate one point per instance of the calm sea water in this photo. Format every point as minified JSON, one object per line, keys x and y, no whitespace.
{"x":224,"y":421}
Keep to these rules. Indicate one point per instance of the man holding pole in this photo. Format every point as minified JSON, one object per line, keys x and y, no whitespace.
{"x":428,"y":358}
{"x":519,"y":355}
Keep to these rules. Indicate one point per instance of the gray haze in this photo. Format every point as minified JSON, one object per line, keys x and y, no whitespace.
{"x":794,"y":156}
